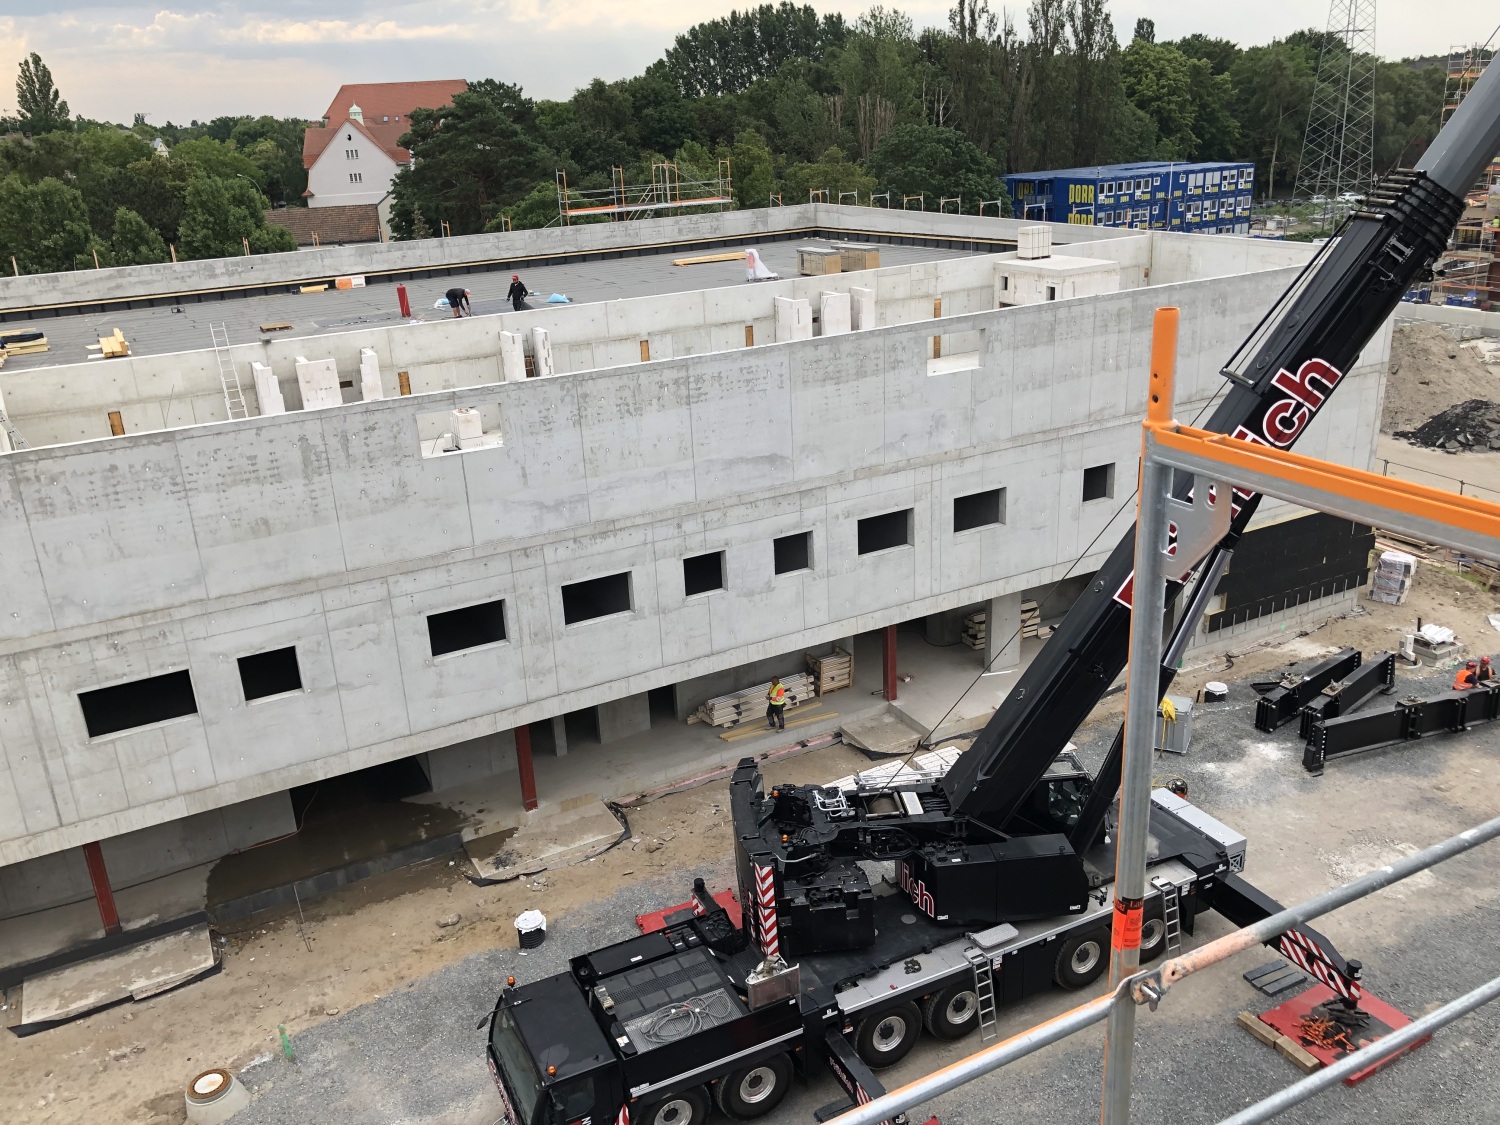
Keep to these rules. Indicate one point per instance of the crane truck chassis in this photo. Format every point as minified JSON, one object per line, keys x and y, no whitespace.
{"x":658,"y":1028}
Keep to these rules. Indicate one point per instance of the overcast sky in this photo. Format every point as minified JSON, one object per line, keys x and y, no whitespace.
{"x":189,"y":59}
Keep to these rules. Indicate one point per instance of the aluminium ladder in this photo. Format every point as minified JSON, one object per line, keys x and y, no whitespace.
{"x":984,"y":991}
{"x":1171,"y":912}
{"x":234,"y":395}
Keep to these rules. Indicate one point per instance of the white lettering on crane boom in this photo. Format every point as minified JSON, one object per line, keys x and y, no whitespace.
{"x":1279,"y":425}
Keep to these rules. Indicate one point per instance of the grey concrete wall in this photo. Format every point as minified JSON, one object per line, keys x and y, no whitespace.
{"x":470,"y":760}
{"x":84,"y":286}
{"x":329,"y":532}
{"x":148,"y":853}
{"x":1465,"y":322}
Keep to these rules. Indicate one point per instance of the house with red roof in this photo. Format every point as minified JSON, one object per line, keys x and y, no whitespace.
{"x":352,"y":155}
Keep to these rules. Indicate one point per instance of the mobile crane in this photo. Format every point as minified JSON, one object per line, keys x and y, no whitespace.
{"x":875,"y":907}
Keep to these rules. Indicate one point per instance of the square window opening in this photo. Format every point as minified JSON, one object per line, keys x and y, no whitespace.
{"x":702,"y":573}
{"x":596,"y":597}
{"x":270,"y":673}
{"x":1099,"y":482}
{"x":469,"y":627}
{"x":881,"y":533}
{"x":138,"y":703}
{"x":979,"y":509}
{"x":793,"y":552}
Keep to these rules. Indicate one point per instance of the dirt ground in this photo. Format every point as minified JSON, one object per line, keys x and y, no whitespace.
{"x":1430,"y":372}
{"x":129,"y":1064}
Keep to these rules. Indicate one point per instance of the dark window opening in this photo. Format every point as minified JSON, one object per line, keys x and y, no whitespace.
{"x":598,"y":597}
{"x":980,"y":509}
{"x":702,"y":573}
{"x":1051,"y":292}
{"x":1099,"y":482}
{"x":469,"y":627}
{"x":793,"y":552}
{"x":270,"y":673}
{"x":881,"y":533}
{"x":138,"y":703}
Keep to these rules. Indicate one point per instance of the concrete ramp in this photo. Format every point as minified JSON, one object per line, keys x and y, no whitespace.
{"x":135,"y":972}
{"x":885,"y":735}
{"x":549,"y":841}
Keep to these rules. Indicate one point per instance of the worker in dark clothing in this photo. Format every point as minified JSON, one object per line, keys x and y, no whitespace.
{"x":1467,"y":676}
{"x":517,"y":293}
{"x":1486,"y":670}
{"x":776,"y":705}
{"x":458,"y":301}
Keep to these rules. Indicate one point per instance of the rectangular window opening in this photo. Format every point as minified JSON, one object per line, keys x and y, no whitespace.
{"x":881,"y":533}
{"x":138,"y":703}
{"x":702,"y":573}
{"x":596,"y":597}
{"x":456,"y":629}
{"x":1051,"y":292}
{"x":270,"y":673}
{"x":979,"y":509}
{"x":1099,"y":482}
{"x":793,"y":552}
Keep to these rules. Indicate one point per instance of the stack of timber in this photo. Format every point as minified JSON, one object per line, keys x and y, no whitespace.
{"x":976,"y":626}
{"x":742,"y":706}
{"x":112,"y":346}
{"x":831,"y":672}
{"x":23,"y":343}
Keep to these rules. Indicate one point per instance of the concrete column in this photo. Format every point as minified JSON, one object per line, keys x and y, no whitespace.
{"x":888,"y":661}
{"x":523,"y":763}
{"x":1002,"y":633}
{"x":512,"y":358}
{"x":369,"y":375}
{"x":104,"y":894}
{"x":560,"y":736}
{"x":943,"y":628}
{"x":541,"y":353}
{"x":861,"y":308}
{"x":620,"y":718}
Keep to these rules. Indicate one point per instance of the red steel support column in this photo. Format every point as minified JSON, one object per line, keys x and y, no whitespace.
{"x":888,"y":659}
{"x":104,"y":895}
{"x":523,"y":762}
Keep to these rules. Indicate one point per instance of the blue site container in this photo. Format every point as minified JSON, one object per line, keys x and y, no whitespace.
{"x":1210,"y":197}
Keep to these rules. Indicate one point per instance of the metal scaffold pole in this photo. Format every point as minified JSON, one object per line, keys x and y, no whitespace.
{"x":1142,"y":686}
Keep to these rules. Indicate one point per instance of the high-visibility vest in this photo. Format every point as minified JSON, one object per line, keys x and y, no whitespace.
{"x":1464,"y":679}
{"x":778,"y":695}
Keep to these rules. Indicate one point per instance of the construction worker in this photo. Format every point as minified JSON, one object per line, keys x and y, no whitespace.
{"x":517,"y":293}
{"x":1486,"y":671}
{"x":776,"y":705}
{"x":458,"y":301}
{"x":1467,"y":676}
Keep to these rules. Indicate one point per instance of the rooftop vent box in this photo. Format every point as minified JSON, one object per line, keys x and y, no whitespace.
{"x":467,"y":425}
{"x":1034,"y":242}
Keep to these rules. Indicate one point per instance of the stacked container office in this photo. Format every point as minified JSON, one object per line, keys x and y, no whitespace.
{"x":1206,"y":198}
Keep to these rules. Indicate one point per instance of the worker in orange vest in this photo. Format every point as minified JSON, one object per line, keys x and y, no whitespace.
{"x":1467,"y":676}
{"x":776,"y":705}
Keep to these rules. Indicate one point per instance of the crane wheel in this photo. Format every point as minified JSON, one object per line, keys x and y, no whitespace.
{"x":754,"y":1090}
{"x":1082,"y":958}
{"x":885,"y":1038}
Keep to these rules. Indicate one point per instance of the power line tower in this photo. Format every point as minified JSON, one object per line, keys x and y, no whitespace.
{"x":1338,"y":149}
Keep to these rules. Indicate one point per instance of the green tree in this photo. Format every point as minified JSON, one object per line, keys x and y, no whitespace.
{"x":1145,"y":31}
{"x":219,"y":158}
{"x":135,"y":242}
{"x":469,"y":159}
{"x":1158,"y":79}
{"x":752,"y":168}
{"x":38,"y":102}
{"x":934,"y":162}
{"x":1272,"y":87}
{"x":727,"y":55}
{"x":538,"y":208}
{"x":833,"y":172}
{"x":274,"y":145}
{"x":44,"y":226}
{"x":221,"y":215}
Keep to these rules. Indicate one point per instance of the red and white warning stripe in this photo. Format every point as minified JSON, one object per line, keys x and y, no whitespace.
{"x":624,"y":1117}
{"x":1306,"y":955}
{"x":765,"y":907}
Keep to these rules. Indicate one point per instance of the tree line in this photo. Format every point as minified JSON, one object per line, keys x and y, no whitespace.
{"x":799,"y":102}
{"x":796,"y":101}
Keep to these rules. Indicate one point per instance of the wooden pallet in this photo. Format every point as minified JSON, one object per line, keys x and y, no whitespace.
{"x":832,"y":672}
{"x":742,"y":706}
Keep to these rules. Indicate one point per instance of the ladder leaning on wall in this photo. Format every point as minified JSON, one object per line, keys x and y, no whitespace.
{"x":234,"y":395}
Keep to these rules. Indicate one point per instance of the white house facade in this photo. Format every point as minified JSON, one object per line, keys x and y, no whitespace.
{"x":352,"y":168}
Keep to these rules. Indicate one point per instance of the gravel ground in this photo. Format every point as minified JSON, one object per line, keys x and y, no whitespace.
{"x":415,"y":1056}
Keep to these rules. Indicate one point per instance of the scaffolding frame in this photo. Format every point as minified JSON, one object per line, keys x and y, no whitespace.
{"x":1219,"y":464}
{"x":667,"y":191}
{"x":920,"y":197}
{"x":998,"y":204}
{"x":943,"y":202}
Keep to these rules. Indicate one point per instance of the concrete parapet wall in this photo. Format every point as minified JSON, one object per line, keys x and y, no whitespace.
{"x":330,"y":532}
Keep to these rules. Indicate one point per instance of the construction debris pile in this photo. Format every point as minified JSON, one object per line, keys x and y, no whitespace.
{"x":1470,"y":426}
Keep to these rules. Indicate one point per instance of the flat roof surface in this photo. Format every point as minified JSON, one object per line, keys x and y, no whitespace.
{"x":180,"y":328}
{"x":1101,"y":170}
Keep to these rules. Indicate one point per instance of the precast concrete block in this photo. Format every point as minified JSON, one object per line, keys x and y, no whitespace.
{"x":318,"y":380}
{"x":267,"y":390}
{"x":793,"y":319}
{"x":834,"y":315}
{"x":862,"y":308}
{"x":369,"y":375}
{"x":541,"y":353}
